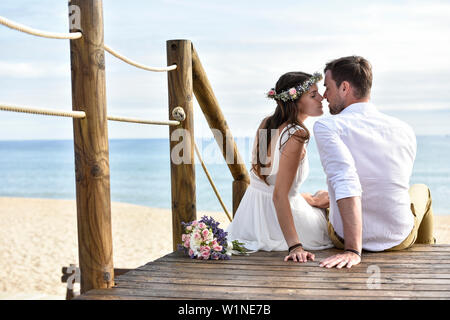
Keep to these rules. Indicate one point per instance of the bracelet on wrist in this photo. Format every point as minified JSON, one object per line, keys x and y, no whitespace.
{"x":295,"y":246}
{"x":354,"y":251}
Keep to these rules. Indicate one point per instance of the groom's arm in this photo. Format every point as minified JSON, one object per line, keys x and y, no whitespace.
{"x":339,"y":166}
{"x":350,"y":209}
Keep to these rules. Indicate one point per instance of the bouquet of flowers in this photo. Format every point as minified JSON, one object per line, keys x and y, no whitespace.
{"x":203,"y":239}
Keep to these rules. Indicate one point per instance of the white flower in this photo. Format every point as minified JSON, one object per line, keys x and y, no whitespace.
{"x":229,"y":250}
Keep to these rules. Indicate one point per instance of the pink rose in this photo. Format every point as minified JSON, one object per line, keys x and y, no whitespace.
{"x":205,"y":233}
{"x":191,"y":252}
{"x":201,"y":225}
{"x":205,"y":251}
{"x":194,"y":223}
{"x":205,"y":248}
{"x":205,"y":255}
{"x":218,"y":248}
{"x":271,"y":93}
{"x":189,"y":228}
{"x":197,"y":236}
{"x":187,"y":244}
{"x":292,"y":91}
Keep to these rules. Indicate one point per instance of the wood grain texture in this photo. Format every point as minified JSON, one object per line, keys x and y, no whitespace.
{"x":239,"y":187}
{"x":406,"y":274}
{"x":91,"y":150}
{"x":181,"y":137}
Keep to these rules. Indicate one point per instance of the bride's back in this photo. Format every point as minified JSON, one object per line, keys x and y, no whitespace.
{"x":278,"y":140}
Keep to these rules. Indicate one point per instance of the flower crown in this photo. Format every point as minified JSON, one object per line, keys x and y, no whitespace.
{"x":295,"y":92}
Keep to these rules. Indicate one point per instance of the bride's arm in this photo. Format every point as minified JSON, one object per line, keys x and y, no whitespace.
{"x":288,"y":166}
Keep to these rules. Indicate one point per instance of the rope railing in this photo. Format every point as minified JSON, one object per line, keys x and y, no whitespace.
{"x":134,"y":120}
{"x":80,"y":114}
{"x":52,"y":35}
{"x":211,"y":182}
{"x":138,"y":65}
{"x":76,"y":35}
{"x":46,"y":112}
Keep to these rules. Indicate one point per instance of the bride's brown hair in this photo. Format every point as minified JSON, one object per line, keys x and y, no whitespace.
{"x":286,"y":111}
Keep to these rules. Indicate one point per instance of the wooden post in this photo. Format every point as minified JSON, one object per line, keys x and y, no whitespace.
{"x":91,"y":149}
{"x":182,"y":167}
{"x":216,"y":120}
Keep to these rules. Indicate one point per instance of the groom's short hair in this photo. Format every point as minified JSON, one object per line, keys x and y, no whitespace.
{"x":354,"y":69}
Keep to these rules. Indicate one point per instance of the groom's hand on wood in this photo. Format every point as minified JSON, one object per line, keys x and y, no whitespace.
{"x":346,"y":259}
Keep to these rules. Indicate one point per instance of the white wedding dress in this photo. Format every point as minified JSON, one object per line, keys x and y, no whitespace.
{"x":256,"y":224}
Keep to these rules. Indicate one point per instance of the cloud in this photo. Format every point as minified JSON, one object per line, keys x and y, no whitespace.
{"x":27,"y":70}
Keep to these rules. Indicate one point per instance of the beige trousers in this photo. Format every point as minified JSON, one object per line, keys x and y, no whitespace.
{"x":422,"y":211}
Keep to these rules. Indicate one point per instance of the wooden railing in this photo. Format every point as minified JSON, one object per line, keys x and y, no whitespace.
{"x":186,"y":77}
{"x":190,"y":78}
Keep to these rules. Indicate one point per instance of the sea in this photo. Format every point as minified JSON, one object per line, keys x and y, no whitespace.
{"x":140,"y":171}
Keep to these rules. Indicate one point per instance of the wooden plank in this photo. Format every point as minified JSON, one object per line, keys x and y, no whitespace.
{"x":299,"y":272}
{"x":225,"y":292}
{"x":292,"y":269}
{"x":418,"y":259}
{"x":413,"y":250}
{"x":310,"y":264}
{"x":362,"y":284}
{"x":106,"y":295}
{"x":354,"y":278}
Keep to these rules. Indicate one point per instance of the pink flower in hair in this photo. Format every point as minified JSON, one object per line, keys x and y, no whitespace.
{"x":292,"y":91}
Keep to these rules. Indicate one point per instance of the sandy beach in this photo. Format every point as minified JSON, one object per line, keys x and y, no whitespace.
{"x":39,"y":236}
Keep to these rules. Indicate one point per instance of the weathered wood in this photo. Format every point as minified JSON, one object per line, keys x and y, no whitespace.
{"x":239,"y":188}
{"x":229,"y":292}
{"x":117,"y":272}
{"x":182,"y":167}
{"x":190,"y":271}
{"x":264,"y":275}
{"x":216,"y":120}
{"x":143,"y":276}
{"x":299,"y":271}
{"x":91,"y":150}
{"x":149,"y":282}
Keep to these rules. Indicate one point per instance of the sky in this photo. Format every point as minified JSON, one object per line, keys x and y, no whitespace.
{"x":244,"y":46}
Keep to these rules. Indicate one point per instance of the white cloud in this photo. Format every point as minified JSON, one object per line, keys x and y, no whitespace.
{"x":28,"y":70}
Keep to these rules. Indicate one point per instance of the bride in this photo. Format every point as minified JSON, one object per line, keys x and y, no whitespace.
{"x":273,"y":215}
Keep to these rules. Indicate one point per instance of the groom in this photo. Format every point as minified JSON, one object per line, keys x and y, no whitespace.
{"x":368,"y":159}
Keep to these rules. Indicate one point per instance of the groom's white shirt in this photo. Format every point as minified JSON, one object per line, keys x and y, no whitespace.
{"x":369,"y":154}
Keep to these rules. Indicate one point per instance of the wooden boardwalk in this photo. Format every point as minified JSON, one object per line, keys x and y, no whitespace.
{"x":421,"y":272}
